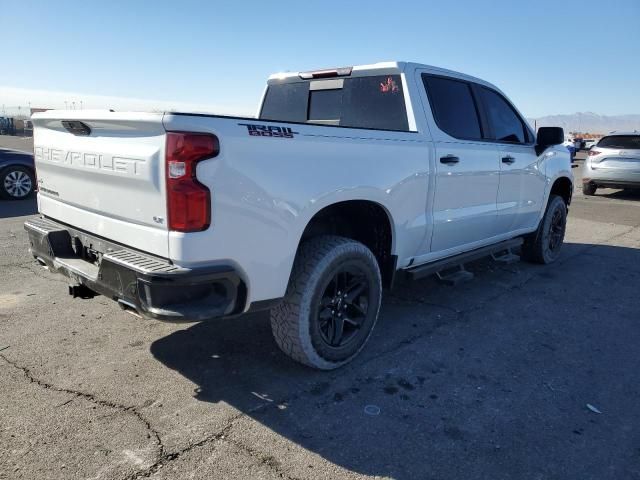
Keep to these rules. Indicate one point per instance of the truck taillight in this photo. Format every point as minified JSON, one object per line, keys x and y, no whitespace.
{"x":188,"y":201}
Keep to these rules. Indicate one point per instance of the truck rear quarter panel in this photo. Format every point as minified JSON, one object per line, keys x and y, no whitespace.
{"x":265,"y":190}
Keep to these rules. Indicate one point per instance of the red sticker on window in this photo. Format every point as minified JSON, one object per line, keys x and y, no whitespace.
{"x":390,"y":86}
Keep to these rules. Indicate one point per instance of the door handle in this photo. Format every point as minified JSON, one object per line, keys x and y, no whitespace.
{"x":449,"y":159}
{"x":508,"y":159}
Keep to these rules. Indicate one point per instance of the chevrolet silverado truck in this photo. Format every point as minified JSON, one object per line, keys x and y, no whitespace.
{"x":345,"y":179}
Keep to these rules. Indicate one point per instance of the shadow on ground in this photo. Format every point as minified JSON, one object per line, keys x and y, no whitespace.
{"x":627,"y":194}
{"x":486,"y":380}
{"x":18,"y":208}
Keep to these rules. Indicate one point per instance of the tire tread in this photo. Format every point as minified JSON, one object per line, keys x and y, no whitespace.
{"x":285,"y":318}
{"x":532,"y":248}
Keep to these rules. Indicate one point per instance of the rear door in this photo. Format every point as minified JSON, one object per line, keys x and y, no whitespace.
{"x":104,"y":172}
{"x":467,"y":168}
{"x":522,"y":184}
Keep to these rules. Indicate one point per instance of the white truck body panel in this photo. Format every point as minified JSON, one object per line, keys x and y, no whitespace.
{"x":264,"y":190}
{"x":256,"y":226}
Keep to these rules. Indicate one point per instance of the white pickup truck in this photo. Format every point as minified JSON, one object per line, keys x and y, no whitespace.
{"x":346,"y":178}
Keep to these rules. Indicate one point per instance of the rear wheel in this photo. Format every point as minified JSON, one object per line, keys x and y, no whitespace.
{"x":16,"y":182}
{"x":331,"y":305}
{"x":589,"y":189}
{"x":543,"y":246}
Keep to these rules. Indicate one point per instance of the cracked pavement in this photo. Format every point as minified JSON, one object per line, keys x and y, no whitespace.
{"x":490,"y":379}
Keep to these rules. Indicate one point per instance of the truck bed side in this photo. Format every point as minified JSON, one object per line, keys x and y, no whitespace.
{"x":265,"y":189}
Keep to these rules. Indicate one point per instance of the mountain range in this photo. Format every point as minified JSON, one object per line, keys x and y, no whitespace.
{"x":589,"y":122}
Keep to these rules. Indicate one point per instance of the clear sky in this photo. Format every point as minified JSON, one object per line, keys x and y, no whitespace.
{"x":548,"y":56}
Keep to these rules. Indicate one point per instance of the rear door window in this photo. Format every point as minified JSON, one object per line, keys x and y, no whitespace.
{"x":506,"y":125}
{"x":453,"y":107}
{"x":372,"y":102}
{"x":630,"y":142}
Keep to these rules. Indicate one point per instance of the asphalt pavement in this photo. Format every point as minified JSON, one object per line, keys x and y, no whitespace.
{"x":527,"y":372}
{"x":13,"y":142}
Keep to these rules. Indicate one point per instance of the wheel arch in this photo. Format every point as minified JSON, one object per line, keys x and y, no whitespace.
{"x":366,"y":221}
{"x":562,"y":186}
{"x":31,"y":168}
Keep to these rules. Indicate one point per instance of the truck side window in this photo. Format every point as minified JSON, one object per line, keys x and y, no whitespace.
{"x":506,"y":125}
{"x":453,"y":107}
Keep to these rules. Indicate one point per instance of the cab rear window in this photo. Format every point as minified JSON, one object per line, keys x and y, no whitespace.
{"x":375,"y":102}
{"x":286,"y":102}
{"x":631,"y":142}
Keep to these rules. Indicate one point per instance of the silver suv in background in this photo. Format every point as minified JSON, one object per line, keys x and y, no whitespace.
{"x":614,"y":162}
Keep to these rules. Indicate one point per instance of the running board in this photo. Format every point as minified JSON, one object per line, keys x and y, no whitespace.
{"x":507,"y":257}
{"x":455,"y":277}
{"x":500,"y":252}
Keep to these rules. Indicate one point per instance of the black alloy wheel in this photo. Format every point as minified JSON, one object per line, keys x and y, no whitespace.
{"x":343,"y":307}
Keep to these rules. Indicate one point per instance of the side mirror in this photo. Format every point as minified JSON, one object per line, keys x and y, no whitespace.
{"x":548,"y":136}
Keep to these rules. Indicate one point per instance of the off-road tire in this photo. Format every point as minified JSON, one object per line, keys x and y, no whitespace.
{"x":536,"y":247}
{"x":294,"y":322}
{"x":589,"y":189}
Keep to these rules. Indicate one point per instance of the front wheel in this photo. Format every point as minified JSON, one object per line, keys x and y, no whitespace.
{"x":543,"y":246}
{"x":331,"y":305}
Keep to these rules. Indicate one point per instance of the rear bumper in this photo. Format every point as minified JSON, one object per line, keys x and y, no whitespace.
{"x":609,"y":183}
{"x":152,"y":286}
{"x":611,"y":176}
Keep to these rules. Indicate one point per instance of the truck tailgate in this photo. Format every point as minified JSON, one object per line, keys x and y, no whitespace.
{"x":103,"y":172}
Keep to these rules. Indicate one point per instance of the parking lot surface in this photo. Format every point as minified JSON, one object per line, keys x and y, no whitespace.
{"x":21,"y":144}
{"x":526,"y":372}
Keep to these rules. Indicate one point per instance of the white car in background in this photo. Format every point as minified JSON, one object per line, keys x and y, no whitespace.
{"x":589,"y":143}
{"x":614,"y":162}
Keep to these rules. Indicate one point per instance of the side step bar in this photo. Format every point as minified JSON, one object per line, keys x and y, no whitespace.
{"x":500,"y":252}
{"x":455,"y":277}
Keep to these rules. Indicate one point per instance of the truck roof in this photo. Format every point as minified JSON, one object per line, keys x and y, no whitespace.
{"x":380,"y":68}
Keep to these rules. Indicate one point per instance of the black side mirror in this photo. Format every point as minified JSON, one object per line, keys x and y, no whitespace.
{"x":548,"y":136}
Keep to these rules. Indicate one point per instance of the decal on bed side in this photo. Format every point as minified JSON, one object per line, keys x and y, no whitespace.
{"x":268,"y":130}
